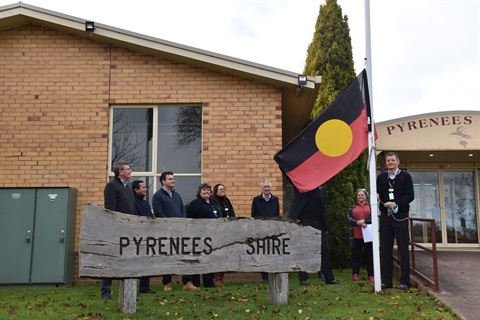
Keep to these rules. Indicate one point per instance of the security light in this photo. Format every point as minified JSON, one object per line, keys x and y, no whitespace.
{"x":90,"y":26}
{"x":302,"y":80}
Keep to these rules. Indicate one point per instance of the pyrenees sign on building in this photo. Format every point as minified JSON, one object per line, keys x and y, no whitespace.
{"x":450,"y":130}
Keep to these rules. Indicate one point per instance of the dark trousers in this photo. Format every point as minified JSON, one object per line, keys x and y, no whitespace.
{"x":361,"y":250}
{"x":303,"y":276}
{"x":326,"y":265}
{"x":264,"y":276}
{"x":144,"y":284}
{"x":105,"y":289}
{"x":391,"y":229}
{"x":168,"y":279}
{"x":207,"y":280}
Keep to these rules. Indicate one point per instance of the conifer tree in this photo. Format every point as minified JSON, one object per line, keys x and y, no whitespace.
{"x":330,"y":56}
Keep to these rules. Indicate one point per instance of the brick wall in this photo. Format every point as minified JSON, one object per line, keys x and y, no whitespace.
{"x":56,"y":90}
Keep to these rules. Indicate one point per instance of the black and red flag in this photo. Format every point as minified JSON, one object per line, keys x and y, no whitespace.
{"x":331,"y":142}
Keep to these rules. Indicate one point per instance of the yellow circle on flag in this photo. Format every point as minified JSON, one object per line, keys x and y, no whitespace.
{"x":334,"y":138}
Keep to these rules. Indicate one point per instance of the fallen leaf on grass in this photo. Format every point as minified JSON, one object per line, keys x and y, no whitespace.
{"x":382,"y":311}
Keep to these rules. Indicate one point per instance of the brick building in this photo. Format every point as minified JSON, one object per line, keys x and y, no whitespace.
{"x":74,"y":101}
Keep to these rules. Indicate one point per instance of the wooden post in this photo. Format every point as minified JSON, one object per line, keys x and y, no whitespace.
{"x":127,"y":295}
{"x":278,"y":283}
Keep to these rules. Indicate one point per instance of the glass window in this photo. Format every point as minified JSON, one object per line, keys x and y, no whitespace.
{"x":187,"y":187}
{"x":132,"y":137}
{"x":179,"y":139}
{"x":153,"y":139}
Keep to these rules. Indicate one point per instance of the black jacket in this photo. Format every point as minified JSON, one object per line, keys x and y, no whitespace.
{"x":142,"y":206}
{"x":403,"y":191}
{"x":119,"y":198}
{"x":225,"y":206}
{"x":309,"y":208}
{"x":199,"y":208}
{"x":263,"y":208}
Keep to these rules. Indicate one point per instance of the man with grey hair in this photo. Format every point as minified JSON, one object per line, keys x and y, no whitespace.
{"x":118,"y":196}
{"x":265,"y":205}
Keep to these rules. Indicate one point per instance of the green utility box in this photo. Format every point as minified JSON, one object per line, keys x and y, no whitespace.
{"x":37,"y":235}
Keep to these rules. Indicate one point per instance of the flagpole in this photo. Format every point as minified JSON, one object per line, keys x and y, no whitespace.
{"x":372,"y":168}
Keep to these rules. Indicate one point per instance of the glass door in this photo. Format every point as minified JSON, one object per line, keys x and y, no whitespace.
{"x":460,"y":216}
{"x":426,"y":205}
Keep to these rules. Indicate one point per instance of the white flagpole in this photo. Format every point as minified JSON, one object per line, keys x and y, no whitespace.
{"x":372,"y":168}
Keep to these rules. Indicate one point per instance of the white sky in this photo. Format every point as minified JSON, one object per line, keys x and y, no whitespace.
{"x":425,"y":53}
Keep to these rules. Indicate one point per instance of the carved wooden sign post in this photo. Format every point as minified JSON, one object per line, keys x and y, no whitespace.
{"x":126,"y":247}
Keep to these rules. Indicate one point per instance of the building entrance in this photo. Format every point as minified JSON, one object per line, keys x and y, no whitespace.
{"x":447,"y":196}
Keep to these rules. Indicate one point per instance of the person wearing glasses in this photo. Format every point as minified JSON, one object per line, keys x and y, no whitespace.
{"x":219,"y":196}
{"x":118,"y":196}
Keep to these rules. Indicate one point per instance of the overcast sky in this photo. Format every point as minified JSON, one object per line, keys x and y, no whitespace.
{"x":425,"y":53}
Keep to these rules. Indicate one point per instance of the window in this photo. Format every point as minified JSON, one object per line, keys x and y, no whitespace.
{"x":160,"y":138}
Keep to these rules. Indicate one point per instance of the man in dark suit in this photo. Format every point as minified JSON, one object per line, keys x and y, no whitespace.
{"x":118,"y":196}
{"x":309,"y":209}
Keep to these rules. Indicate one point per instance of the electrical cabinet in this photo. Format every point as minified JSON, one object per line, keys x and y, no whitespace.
{"x":37,"y":235}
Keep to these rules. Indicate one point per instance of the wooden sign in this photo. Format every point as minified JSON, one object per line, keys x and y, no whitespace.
{"x":124,"y":247}
{"x":116,"y":245}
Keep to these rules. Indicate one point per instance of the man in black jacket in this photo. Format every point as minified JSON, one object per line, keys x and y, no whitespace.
{"x":309,"y":209}
{"x":395,"y":192}
{"x":118,"y":196}
{"x":144,"y":210}
{"x":265,"y":205}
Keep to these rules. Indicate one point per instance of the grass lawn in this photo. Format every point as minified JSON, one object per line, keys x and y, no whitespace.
{"x":348,"y":300}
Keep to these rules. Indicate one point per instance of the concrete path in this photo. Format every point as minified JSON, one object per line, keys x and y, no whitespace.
{"x":459,"y":275}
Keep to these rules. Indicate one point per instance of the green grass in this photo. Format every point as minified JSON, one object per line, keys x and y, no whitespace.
{"x":349,"y":300}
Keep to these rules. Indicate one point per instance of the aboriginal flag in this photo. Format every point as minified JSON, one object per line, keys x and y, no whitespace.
{"x":331,"y":142}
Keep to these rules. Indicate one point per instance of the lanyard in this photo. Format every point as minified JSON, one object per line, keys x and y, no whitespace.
{"x":213,"y":209}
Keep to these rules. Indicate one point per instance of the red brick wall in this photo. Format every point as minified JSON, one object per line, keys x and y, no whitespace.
{"x":56,"y":90}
